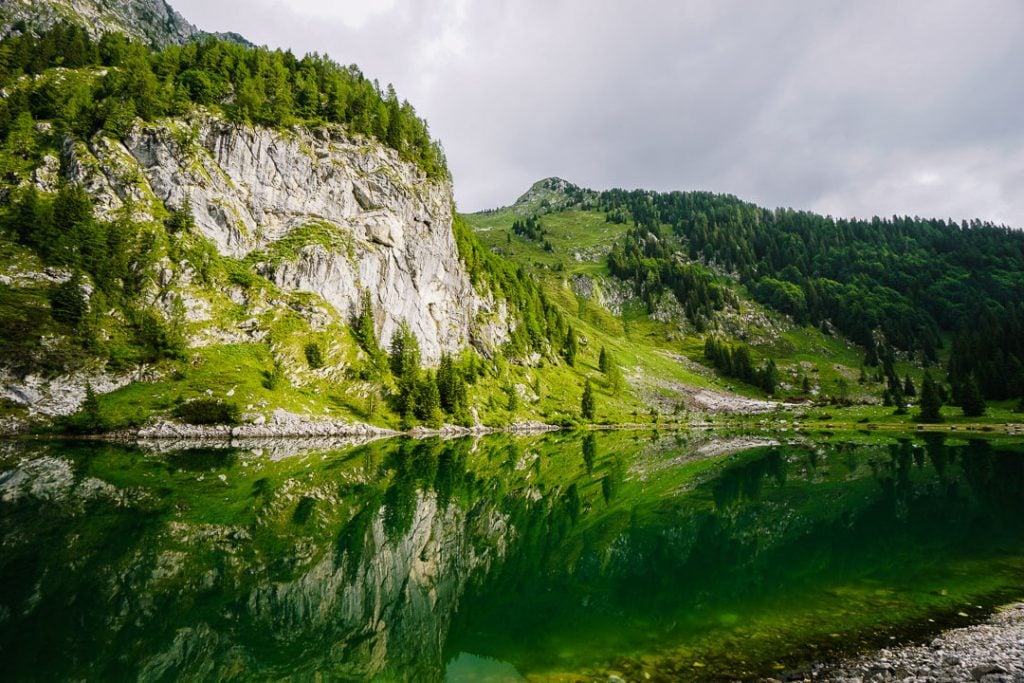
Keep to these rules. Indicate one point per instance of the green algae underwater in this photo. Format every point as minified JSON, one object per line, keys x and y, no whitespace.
{"x":561,"y":557}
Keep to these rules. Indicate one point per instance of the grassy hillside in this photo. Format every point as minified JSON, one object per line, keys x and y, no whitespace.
{"x":565,"y":242}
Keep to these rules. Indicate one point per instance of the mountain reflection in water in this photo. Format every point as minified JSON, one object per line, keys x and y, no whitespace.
{"x":500,"y":558}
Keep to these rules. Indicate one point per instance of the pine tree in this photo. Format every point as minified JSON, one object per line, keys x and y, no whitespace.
{"x":511,"y":396}
{"x":571,"y":347}
{"x":89,"y":418}
{"x":588,"y":405}
{"x":405,"y":352}
{"x":314,"y":355}
{"x":972,"y":402}
{"x":931,"y":400}
{"x":743,"y":364}
{"x":909,"y":390}
{"x":871,"y":357}
{"x":67,"y":304}
{"x":893,"y":382}
{"x":602,"y":361}
{"x":899,"y":400}
{"x":405,"y":366}
{"x":363,"y":328}
{"x":842,"y":391}
{"x":180,"y":220}
{"x":451,"y":385}
{"x":769,"y":377}
{"x":614,"y":378}
{"x":711,"y":350}
{"x":428,"y":400}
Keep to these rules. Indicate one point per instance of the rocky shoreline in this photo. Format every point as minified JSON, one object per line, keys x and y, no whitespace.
{"x":990,"y":652}
{"x":283,"y":424}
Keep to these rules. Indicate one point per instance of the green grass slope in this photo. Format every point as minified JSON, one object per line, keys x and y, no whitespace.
{"x":662,"y":352}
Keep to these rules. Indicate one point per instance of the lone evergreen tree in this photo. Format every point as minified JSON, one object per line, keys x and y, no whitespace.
{"x":909,"y":390}
{"x":67,"y":303}
{"x":972,"y":402}
{"x":314,"y":355}
{"x":931,"y":401}
{"x":451,"y":385}
{"x":770,"y":377}
{"x":405,"y":366}
{"x":571,"y":347}
{"x":899,"y":400}
{"x":614,"y":378}
{"x":588,"y":405}
{"x":428,"y":400}
{"x":405,"y":352}
{"x":363,"y":326}
{"x":602,"y":361}
{"x":93,"y":420}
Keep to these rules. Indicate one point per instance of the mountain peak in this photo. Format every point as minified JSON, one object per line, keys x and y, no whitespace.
{"x":550,"y":194}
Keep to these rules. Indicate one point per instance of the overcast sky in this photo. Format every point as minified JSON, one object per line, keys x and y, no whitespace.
{"x":862,"y":108}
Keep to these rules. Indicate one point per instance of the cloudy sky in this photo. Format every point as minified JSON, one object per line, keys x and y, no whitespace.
{"x":849,"y":108}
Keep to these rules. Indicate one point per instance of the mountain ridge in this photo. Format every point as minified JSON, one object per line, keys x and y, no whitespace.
{"x":184,"y":242}
{"x":154,"y":22}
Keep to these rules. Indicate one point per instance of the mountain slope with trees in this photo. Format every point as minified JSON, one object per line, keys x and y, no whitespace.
{"x":903,"y":282}
{"x":149,"y":272}
{"x":130,"y":257}
{"x":738,"y":287}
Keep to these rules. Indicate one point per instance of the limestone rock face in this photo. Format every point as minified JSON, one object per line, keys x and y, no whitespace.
{"x":150,"y":21}
{"x":313,"y":210}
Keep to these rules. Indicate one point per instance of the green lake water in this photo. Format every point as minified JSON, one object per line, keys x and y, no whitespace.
{"x":559,"y":557}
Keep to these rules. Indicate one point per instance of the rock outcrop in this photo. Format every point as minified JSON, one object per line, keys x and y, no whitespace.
{"x":153,"y":22}
{"x":63,"y":394}
{"x":313,"y":210}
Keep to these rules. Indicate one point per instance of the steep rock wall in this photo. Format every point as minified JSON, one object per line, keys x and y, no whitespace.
{"x":312,"y":210}
{"x":150,"y":21}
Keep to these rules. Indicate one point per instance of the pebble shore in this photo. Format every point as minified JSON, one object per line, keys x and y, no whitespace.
{"x":991,"y":652}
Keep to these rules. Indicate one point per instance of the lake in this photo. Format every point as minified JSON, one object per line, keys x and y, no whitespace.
{"x":564,"y":557}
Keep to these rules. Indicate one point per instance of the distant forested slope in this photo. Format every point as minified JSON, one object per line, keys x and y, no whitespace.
{"x":913,"y":280}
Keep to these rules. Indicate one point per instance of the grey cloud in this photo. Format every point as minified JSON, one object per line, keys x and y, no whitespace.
{"x":859,"y":108}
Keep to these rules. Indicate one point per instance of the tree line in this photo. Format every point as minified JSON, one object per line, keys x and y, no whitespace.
{"x":915,"y":280}
{"x":539,"y":326}
{"x":110,"y":265}
{"x":645,"y":258}
{"x":115,"y":80}
{"x":736,"y":360}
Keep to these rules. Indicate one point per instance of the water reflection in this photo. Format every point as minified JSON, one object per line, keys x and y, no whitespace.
{"x":501,"y":557}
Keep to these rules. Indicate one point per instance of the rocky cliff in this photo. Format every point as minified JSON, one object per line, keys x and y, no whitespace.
{"x":153,"y":22}
{"x":312,"y":210}
{"x":222,"y":251}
